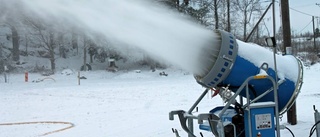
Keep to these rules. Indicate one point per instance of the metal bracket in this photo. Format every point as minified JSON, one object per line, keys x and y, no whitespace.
{"x":175,"y":131}
{"x":212,"y":119}
{"x":182,"y":119}
{"x":264,"y":66}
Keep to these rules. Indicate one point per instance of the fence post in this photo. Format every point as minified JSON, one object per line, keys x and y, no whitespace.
{"x":5,"y":74}
{"x":5,"y":77}
{"x":26,"y":76}
{"x":78,"y":77}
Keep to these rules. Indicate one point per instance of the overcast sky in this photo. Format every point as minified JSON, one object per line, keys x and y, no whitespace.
{"x":301,"y":12}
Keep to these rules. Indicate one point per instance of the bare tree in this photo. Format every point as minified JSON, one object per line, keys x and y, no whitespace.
{"x":15,"y":43}
{"x":228,"y":14}
{"x":222,"y":11}
{"x":247,"y":7}
{"x":11,"y":18}
{"x":74,"y":40}
{"x":171,"y":3}
{"x":216,"y":16}
{"x":45,"y":33}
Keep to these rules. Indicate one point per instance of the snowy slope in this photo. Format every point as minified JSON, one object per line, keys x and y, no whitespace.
{"x":121,"y":104}
{"x":105,"y":104}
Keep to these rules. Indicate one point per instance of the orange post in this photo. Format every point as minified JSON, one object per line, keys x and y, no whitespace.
{"x":26,"y":76}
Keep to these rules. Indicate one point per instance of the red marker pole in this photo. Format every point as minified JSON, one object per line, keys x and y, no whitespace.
{"x":26,"y":76}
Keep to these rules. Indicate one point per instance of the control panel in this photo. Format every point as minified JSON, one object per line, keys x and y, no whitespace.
{"x":263,"y":121}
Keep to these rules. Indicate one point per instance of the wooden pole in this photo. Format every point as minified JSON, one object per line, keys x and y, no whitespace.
{"x":292,"y":112}
{"x":5,"y":74}
{"x":286,"y":24}
{"x":314,"y":37}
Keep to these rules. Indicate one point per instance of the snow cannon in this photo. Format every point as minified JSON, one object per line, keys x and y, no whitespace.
{"x":230,"y":62}
{"x":268,"y":82}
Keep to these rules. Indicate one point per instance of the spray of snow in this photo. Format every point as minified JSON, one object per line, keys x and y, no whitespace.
{"x":162,"y":33}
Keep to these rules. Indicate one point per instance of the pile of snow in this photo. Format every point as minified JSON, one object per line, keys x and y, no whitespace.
{"x":67,"y":72}
{"x":287,"y":66}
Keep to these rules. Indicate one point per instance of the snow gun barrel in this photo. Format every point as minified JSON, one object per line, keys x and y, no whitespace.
{"x":233,"y":61}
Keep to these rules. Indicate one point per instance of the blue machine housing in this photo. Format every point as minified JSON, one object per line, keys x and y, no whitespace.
{"x":227,"y":116}
{"x":243,"y":69}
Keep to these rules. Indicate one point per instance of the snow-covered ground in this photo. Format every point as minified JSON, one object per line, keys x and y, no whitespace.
{"x":121,"y":104}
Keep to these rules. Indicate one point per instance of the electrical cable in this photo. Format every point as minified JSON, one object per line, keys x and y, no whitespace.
{"x":303,"y":12}
{"x":306,"y":26}
{"x":240,"y":133}
{"x":302,"y":6}
{"x":313,"y":128}
{"x":312,"y":132}
{"x":290,"y":131}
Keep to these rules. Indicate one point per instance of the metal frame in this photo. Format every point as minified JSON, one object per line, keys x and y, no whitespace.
{"x":188,"y":116}
{"x":184,"y":117}
{"x":245,"y":85}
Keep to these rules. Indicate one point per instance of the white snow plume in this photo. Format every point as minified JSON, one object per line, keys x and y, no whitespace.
{"x":160,"y":32}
